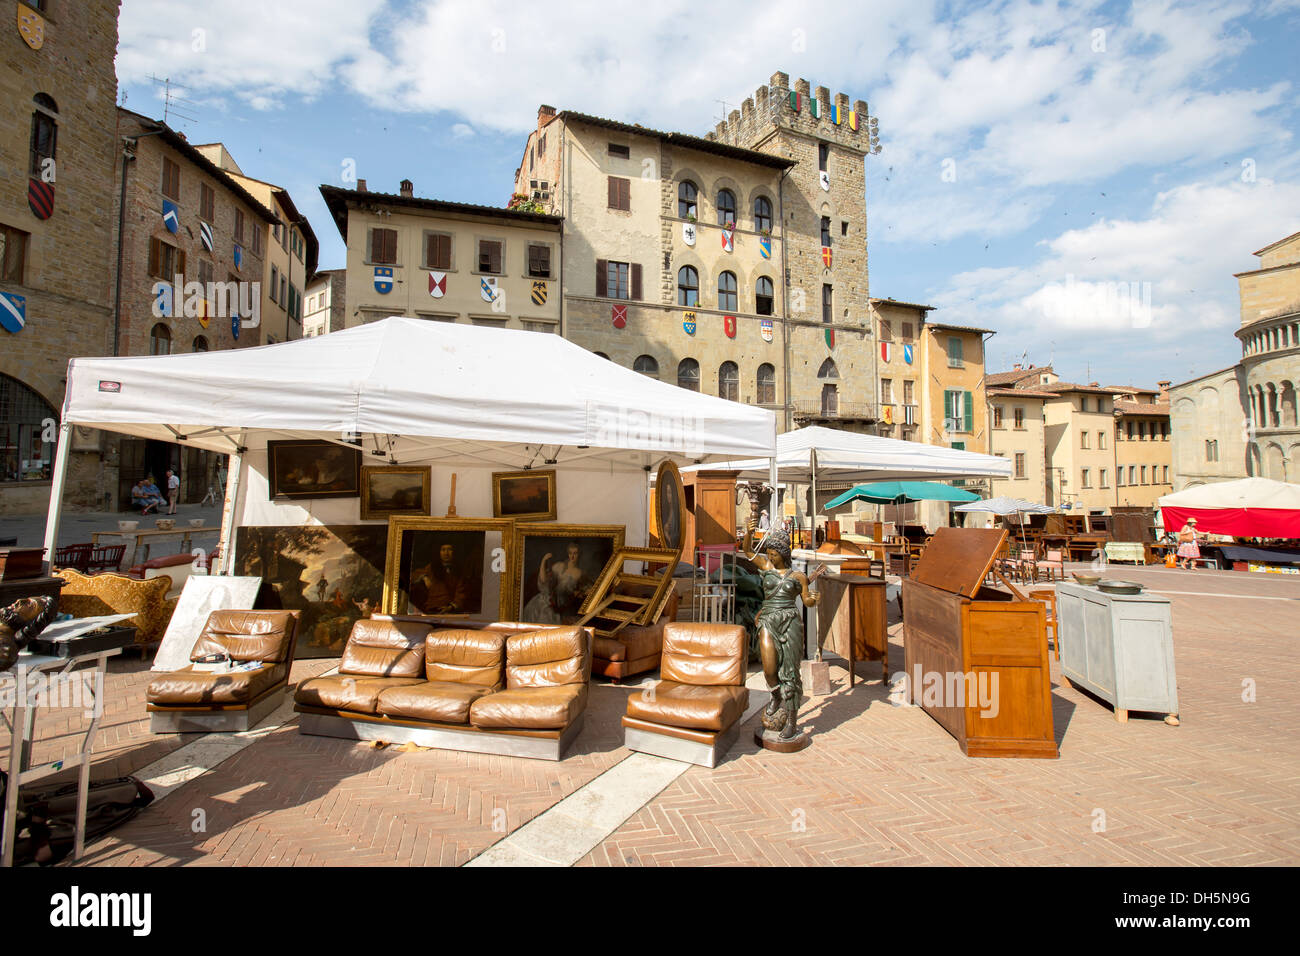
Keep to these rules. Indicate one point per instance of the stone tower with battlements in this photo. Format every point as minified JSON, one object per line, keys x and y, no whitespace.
{"x":824,"y":219}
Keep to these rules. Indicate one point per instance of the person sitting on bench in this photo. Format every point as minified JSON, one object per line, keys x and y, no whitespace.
{"x":146,"y":496}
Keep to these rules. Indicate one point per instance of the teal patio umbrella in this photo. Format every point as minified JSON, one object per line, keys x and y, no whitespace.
{"x":901,"y":492}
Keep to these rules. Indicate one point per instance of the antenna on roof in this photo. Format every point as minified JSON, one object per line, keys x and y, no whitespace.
{"x":173,"y":103}
{"x":725,"y":111}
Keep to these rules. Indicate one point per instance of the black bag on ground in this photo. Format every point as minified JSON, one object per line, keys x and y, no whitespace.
{"x":47,"y":819}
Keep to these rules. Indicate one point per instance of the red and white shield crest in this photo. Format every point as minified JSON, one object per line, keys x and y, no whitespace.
{"x":619,"y":314}
{"x":437,"y":284}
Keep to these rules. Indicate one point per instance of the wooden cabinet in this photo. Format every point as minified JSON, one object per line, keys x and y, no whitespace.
{"x":710,"y":509}
{"x":851,"y":620}
{"x":976,"y":657}
{"x":1119,"y":647}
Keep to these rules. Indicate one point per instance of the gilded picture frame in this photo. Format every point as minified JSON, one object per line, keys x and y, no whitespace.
{"x":524,"y":495}
{"x":553,"y":591}
{"x":461,"y":568}
{"x":388,"y":491}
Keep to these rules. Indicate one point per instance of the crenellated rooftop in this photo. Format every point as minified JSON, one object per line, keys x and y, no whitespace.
{"x":801,"y":109}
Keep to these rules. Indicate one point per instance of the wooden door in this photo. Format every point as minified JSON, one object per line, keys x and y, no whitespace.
{"x":131,"y":468}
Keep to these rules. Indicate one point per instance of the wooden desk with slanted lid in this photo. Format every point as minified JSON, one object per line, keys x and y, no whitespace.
{"x":977,"y":639}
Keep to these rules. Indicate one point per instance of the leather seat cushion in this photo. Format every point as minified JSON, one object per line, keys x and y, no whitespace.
{"x":690,"y":705}
{"x":446,"y":702}
{"x":341,"y":692}
{"x":186,"y":686}
{"x":385,"y":649}
{"x":547,"y":658}
{"x":247,"y":635}
{"x":609,"y":649}
{"x":466,"y":657}
{"x":530,"y":708}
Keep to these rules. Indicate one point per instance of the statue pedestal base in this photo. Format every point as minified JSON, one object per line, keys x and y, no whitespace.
{"x":815,"y":677}
{"x":771,"y":740}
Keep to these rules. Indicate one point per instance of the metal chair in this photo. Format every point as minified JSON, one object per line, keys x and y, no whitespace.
{"x":713,"y":601}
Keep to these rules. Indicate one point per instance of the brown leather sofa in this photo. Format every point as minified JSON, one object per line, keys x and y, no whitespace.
{"x":195,"y":700}
{"x":694,"y":712}
{"x":499,"y":689}
{"x":633,"y":650}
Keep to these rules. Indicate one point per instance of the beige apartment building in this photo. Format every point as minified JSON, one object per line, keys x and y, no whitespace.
{"x":287,"y":246}
{"x":326,"y":301}
{"x":446,"y":261}
{"x":1142,"y":446}
{"x":1242,"y":421}
{"x":1017,"y":431}
{"x":676,"y":249}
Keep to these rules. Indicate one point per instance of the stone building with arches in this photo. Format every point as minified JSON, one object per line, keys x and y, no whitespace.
{"x":733,"y":263}
{"x":1242,"y":421}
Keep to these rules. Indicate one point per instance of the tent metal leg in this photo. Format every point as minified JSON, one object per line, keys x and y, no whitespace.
{"x":234,"y":485}
{"x":56,"y":494}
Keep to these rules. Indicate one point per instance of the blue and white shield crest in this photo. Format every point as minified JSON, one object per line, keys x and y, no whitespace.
{"x":239,"y":256}
{"x":171,"y":216}
{"x":488,"y":289}
{"x":383,"y":279}
{"x":765,"y":247}
{"x":907,"y":354}
{"x":205,"y":235}
{"x":13,"y":312}
{"x":688,"y":322}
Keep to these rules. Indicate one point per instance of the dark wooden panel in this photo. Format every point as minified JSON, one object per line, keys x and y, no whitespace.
{"x":958,"y":559}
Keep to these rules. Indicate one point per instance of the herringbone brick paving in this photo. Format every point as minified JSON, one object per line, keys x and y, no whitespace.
{"x":881,"y":783}
{"x":884,"y":784}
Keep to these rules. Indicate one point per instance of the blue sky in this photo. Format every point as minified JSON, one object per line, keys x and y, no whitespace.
{"x":1083,"y":178}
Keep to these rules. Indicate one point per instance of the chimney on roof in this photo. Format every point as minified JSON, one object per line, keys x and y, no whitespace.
{"x":361,"y":185}
{"x":1094,"y":385}
{"x":1163,"y":395}
{"x":407,"y":188}
{"x":544,"y":115}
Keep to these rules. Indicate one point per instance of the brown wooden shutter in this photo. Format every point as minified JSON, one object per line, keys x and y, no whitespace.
{"x":390,"y":245}
{"x":613,"y":193}
{"x":602,"y":271}
{"x":625,"y":193}
{"x":636,"y":280}
{"x":154,"y":254}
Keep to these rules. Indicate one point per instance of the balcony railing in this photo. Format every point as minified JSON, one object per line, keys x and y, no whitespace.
{"x":837,"y":410}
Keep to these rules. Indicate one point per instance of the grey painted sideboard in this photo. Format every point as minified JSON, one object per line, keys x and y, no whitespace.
{"x":1120,"y":648}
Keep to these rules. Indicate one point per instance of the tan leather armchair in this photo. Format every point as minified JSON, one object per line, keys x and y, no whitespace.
{"x":694,"y":712}
{"x":259,"y":647}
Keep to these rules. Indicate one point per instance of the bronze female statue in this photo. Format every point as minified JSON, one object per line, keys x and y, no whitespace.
{"x":780,"y":630}
{"x":19,"y":623}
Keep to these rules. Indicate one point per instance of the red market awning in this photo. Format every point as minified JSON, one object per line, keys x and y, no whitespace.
{"x":1247,"y":508}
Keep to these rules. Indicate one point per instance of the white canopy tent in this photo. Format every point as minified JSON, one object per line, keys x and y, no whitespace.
{"x":412,"y":391}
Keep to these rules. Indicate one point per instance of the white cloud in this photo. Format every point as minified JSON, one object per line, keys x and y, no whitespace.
{"x":461,"y":131}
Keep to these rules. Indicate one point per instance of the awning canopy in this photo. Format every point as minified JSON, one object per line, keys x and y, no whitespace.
{"x":418,"y":390}
{"x":1247,"y":507}
{"x":1007,"y":506}
{"x":899,"y":492}
{"x":849,"y":456}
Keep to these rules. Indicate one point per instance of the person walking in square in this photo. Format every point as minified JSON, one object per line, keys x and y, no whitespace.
{"x":1188,"y":550}
{"x":173,"y":491}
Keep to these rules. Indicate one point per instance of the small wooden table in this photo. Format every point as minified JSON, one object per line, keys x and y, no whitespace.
{"x":852,"y":621}
{"x":145,"y":539}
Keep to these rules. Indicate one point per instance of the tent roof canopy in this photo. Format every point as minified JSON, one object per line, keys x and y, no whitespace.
{"x":894,"y":492}
{"x":849,"y":456}
{"x":1004,"y":506}
{"x":416,"y":390}
{"x":1242,"y":493}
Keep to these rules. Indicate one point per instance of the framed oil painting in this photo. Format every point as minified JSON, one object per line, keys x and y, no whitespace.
{"x":524,"y":495}
{"x":333,"y":574}
{"x":388,"y":492}
{"x":558,"y":564}
{"x":450,"y":567}
{"x":312,"y":469}
{"x":670,"y":507}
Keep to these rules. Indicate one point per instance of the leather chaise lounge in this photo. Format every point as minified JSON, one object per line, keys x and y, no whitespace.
{"x":495,"y":690}
{"x":190,"y":700}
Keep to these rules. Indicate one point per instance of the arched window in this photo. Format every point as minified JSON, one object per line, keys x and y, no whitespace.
{"x":763,"y":296}
{"x":24,"y":455}
{"x":45,"y":132}
{"x":646,"y":365}
{"x":688,"y":374}
{"x":200,"y":344}
{"x":686,"y":193}
{"x":726,"y":206}
{"x":729,"y":381}
{"x":160,"y":340}
{"x":727,"y":298}
{"x":766,"y":384}
{"x":688,"y":286}
{"x":602,"y":355}
{"x":828,"y":370}
{"x":762,"y":214}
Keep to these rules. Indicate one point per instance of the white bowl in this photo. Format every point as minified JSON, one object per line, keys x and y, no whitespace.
{"x":197,"y":522}
{"x":165,"y":524}
{"x":127,"y":525}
